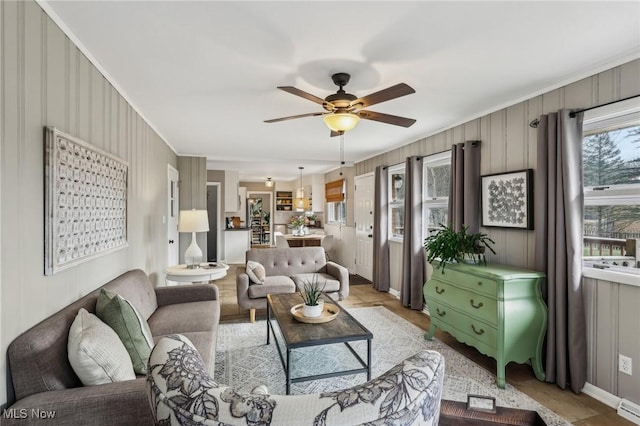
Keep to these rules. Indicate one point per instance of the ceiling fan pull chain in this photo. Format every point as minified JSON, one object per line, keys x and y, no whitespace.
{"x":341,"y":152}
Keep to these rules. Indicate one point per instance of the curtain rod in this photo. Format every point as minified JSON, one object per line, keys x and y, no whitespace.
{"x":534,"y":123}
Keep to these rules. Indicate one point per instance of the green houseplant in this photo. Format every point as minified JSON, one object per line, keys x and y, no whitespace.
{"x":312,"y":296}
{"x":448,"y":245}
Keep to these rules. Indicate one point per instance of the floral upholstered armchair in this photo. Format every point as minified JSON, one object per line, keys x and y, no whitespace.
{"x":181,"y":392}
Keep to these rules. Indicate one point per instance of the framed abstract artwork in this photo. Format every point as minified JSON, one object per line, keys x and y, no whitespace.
{"x":506,"y":199}
{"x":85,"y":202}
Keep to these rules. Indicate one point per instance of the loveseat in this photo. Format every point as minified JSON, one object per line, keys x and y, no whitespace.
{"x":286,"y":271}
{"x":44,"y":380}
{"x":407,"y":394}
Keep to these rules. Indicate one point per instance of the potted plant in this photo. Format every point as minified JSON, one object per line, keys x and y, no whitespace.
{"x":312,"y":219}
{"x":448,"y":245}
{"x":312,"y":296}
{"x":297,"y":222}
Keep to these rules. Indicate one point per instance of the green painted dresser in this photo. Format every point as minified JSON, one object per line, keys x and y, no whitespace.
{"x":496,"y":309}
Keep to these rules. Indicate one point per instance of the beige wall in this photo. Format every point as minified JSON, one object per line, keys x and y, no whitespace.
{"x":47,"y":81}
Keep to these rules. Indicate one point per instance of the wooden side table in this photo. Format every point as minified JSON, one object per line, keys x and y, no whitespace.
{"x":206,"y":272}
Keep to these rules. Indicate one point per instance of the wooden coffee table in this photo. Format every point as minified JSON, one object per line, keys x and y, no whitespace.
{"x":343,"y":329}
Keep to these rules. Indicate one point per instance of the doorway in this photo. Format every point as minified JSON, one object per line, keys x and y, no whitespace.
{"x":259,"y":215}
{"x":213,"y":211}
{"x":364,"y":225}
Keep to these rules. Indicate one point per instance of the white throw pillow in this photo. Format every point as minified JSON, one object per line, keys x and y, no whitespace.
{"x":256,"y":272}
{"x":96,"y":353}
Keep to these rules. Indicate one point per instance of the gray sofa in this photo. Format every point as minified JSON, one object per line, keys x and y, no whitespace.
{"x":286,"y":270}
{"x":43,"y":378}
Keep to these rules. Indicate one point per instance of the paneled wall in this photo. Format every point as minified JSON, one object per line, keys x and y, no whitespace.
{"x":613,"y":328}
{"x":47,"y":81}
{"x":192,"y":189}
{"x":509,"y":143}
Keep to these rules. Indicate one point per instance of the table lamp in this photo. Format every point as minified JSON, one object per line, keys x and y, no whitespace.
{"x":193,"y":221}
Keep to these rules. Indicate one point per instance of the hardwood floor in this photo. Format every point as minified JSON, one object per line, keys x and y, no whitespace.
{"x":581,"y":410}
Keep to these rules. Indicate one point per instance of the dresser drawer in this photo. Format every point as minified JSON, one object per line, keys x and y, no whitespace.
{"x":474,"y":329}
{"x":476,"y":283}
{"x":473,"y":304}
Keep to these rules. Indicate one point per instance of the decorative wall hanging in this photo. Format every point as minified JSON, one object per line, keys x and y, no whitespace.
{"x":506,"y":199}
{"x":85,"y":202}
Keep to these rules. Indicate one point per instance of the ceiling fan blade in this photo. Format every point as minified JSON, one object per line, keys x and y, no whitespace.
{"x":291,"y":117}
{"x":302,"y":94}
{"x":387,"y":118}
{"x":383,"y":95}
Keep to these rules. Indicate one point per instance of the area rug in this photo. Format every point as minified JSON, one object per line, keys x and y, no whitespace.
{"x":244,"y":360}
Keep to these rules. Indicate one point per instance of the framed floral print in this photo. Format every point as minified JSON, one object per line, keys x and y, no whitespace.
{"x":506,"y":199}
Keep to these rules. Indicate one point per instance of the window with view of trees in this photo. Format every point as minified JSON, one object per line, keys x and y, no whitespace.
{"x":396,"y":201}
{"x":611,"y":173}
{"x":436,"y":174}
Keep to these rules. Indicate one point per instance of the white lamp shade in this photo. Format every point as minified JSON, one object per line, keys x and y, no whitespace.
{"x":193,"y":221}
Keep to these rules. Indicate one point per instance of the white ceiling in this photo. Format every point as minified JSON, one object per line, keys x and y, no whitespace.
{"x":204,"y":74}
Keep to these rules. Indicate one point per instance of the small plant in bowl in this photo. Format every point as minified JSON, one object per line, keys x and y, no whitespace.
{"x":448,"y":245}
{"x":312,"y":296}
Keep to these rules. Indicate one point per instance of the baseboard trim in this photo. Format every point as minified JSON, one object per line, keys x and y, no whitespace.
{"x":601,"y":395}
{"x":394,"y":293}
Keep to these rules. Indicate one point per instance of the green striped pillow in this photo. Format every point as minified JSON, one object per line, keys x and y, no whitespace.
{"x":129,"y":325}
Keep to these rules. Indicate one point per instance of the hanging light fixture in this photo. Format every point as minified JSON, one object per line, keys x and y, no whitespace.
{"x":301,"y":203}
{"x":269,"y":183}
{"x":341,"y":121}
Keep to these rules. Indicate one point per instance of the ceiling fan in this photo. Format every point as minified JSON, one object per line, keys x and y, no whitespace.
{"x":343,"y":110}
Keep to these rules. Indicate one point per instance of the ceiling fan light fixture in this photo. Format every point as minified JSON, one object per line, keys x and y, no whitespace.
{"x":269,"y":183}
{"x":341,"y":121}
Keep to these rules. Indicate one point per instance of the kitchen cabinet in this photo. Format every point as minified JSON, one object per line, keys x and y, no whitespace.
{"x":318,"y":199}
{"x":231,"y":191}
{"x":496,"y":309}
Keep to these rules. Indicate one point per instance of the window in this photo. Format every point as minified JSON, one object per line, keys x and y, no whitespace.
{"x":396,"y":201}
{"x":336,"y":203}
{"x":436,"y":175}
{"x":611,"y":176}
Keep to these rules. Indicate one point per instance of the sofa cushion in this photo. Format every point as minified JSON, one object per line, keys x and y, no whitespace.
{"x":256,"y":272}
{"x":329,"y":282}
{"x":185,"y":317}
{"x":129,"y":325}
{"x":277,"y":284}
{"x":96,"y":353}
{"x":286,"y":261}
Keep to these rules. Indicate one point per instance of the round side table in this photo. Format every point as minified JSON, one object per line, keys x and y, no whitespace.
{"x":206,"y":272}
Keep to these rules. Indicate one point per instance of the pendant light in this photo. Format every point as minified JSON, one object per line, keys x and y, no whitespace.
{"x":300,"y":203}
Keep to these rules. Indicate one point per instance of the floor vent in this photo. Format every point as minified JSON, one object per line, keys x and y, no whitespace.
{"x":629,"y":410}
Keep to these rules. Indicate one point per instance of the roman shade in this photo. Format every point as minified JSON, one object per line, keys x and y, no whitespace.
{"x":334,"y":191}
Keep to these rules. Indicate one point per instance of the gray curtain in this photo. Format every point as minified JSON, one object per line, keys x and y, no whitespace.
{"x":413,"y":256}
{"x":464,"y":192}
{"x":558,"y":233}
{"x":381,"y":277}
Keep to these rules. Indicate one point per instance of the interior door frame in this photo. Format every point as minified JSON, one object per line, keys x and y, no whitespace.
{"x":271,"y":213}
{"x":176,"y":199}
{"x":369,"y":175}
{"x":221,"y":228}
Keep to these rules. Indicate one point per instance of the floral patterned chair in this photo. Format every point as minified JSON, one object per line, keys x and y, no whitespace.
{"x":181,"y":392}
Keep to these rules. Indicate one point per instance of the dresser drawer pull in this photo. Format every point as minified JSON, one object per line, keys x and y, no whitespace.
{"x":479,"y":282}
{"x":439,"y":290}
{"x":479,"y":333}
{"x":441,"y":313}
{"x":478,"y":306}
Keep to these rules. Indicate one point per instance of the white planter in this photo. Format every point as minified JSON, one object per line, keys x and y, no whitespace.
{"x":312,"y":311}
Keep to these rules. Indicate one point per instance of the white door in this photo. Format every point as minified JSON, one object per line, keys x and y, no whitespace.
{"x":364,"y":193}
{"x":173,"y":210}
